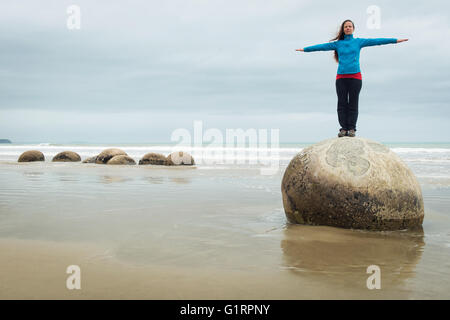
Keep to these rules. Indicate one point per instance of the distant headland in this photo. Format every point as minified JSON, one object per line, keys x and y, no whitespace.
{"x":5,"y":141}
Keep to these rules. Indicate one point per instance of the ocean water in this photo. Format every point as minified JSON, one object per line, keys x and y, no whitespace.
{"x":223,"y":217}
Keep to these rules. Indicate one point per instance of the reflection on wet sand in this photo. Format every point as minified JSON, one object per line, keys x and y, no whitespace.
{"x":114,"y":179}
{"x":342,"y":256}
{"x":67,"y":177}
{"x":179,"y":180}
{"x":154,"y":180}
{"x":33,"y":175}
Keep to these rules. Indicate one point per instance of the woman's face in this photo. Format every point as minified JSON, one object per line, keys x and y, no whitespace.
{"x":348,"y":27}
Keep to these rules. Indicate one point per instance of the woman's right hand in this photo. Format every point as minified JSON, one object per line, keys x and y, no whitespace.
{"x":299,"y":50}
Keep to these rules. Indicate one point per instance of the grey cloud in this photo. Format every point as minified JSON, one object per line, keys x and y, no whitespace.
{"x":217,"y":57}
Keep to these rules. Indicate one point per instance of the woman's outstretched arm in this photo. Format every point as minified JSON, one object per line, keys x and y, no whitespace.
{"x":364,"y":42}
{"x":320,"y":47}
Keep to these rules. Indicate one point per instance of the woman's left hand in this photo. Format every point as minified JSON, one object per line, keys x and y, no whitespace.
{"x":401,"y":40}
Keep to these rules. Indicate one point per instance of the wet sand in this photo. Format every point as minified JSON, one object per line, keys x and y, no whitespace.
{"x":37,"y":270}
{"x":141,"y":233}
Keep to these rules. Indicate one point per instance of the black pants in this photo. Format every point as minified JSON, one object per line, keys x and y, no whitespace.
{"x":347,"y":90}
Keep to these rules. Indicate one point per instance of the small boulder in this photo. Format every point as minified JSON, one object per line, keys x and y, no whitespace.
{"x":31,"y":155}
{"x":90,"y":160}
{"x":121,"y":159}
{"x":67,"y":156}
{"x":180,"y":158}
{"x":107,"y":154}
{"x":153,"y":158}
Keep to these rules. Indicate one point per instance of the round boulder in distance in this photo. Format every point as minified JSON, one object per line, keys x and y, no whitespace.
{"x":351,"y":182}
{"x":153,"y":158}
{"x":107,"y":154}
{"x":31,"y":155}
{"x":90,"y":160}
{"x":180,"y":158}
{"x":67,"y":156}
{"x":121,"y":159}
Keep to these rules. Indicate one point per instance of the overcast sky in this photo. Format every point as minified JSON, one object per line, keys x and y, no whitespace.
{"x":138,"y":70}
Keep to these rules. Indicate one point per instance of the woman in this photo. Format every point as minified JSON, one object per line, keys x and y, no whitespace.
{"x":348,"y":78}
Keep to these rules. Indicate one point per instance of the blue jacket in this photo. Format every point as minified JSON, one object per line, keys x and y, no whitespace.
{"x":348,"y":50}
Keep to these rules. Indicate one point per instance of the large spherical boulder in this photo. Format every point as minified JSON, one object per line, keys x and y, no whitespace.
{"x":180,"y":158}
{"x":67,"y":156}
{"x":153,"y":158}
{"x":31,"y":155}
{"x":121,"y":159}
{"x":351,"y":183}
{"x":107,"y":154}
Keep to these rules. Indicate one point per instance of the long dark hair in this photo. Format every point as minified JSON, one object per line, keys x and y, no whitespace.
{"x":340,"y":36}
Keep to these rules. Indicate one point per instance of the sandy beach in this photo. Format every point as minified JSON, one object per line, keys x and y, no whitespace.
{"x":204,"y":232}
{"x":330,"y":270}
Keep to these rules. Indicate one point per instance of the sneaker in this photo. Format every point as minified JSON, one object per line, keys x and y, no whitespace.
{"x":342,"y":133}
{"x":351,"y":133}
